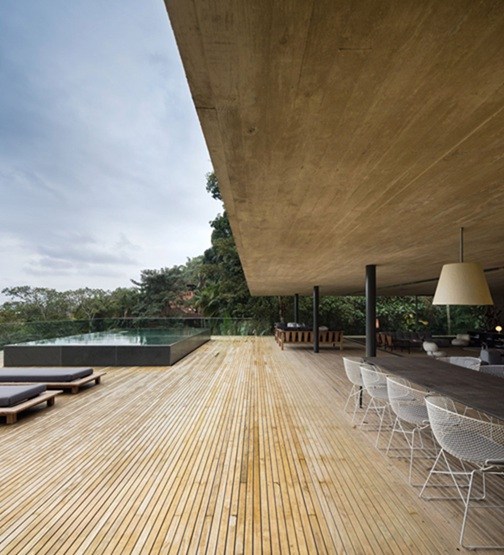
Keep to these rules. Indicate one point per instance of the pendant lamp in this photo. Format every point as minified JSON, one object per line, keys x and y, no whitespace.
{"x":462,"y":283}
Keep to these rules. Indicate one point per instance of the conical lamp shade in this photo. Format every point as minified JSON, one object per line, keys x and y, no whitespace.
{"x":462,"y":283}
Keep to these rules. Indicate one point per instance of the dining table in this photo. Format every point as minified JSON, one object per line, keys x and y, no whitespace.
{"x":480,"y":391}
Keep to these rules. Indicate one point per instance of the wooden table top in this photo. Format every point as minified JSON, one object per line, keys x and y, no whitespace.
{"x":480,"y":391}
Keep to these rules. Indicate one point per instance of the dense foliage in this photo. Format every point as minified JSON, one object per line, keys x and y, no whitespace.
{"x":31,"y":304}
{"x":214,"y":285}
{"x":223,"y":290}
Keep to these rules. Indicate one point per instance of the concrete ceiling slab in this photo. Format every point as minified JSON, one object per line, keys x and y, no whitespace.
{"x":352,"y":133}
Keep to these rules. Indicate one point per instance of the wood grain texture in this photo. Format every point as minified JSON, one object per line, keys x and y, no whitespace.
{"x":238,"y":448}
{"x":345,"y":134}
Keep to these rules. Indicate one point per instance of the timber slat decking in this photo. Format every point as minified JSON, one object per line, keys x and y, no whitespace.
{"x":238,"y":448}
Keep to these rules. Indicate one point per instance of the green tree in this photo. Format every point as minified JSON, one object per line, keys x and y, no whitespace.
{"x":89,"y":303}
{"x":212,"y":186}
{"x":36,"y":303}
{"x":337,"y":313}
{"x":160,"y":291}
{"x":224,"y":292}
{"x":122,"y":302}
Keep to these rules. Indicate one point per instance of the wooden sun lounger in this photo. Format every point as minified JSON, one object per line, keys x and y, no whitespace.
{"x":11,"y":413}
{"x":75,"y":385}
{"x":72,"y":386}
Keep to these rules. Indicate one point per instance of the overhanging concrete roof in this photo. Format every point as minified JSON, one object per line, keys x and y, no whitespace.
{"x":351,"y":133}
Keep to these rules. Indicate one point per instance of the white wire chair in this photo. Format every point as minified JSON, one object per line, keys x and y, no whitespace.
{"x":352,"y":369}
{"x":375,"y":385}
{"x":472,"y":363}
{"x":411,"y":420}
{"x":471,"y":440}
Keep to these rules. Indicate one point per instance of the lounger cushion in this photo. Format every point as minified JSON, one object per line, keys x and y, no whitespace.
{"x":43,"y":374}
{"x":11,"y":395}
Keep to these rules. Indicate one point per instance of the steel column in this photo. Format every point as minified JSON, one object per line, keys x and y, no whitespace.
{"x":315,"y":319}
{"x":296,"y":308}
{"x":371,"y":310}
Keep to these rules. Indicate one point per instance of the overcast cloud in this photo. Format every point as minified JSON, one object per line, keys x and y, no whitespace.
{"x":102,"y":160}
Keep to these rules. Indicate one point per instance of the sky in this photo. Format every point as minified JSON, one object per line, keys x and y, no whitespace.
{"x":102,"y":159}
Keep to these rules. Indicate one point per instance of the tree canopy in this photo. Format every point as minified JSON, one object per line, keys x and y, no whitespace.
{"x":214,"y":285}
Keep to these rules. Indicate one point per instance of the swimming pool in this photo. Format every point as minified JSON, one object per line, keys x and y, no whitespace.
{"x":140,"y":347}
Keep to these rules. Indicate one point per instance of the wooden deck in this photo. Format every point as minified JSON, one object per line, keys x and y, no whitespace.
{"x":238,"y":448}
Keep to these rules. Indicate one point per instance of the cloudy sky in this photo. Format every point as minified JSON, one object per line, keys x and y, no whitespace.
{"x":102,"y":160}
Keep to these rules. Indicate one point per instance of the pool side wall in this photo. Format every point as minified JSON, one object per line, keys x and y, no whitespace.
{"x":103,"y":355}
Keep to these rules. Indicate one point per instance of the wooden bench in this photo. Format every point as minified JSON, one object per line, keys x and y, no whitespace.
{"x":305,"y":337}
{"x":388,"y":342}
{"x":11,"y":413}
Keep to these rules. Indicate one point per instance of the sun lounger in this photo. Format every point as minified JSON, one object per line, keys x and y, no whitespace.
{"x":17,"y":398}
{"x":54,"y":378}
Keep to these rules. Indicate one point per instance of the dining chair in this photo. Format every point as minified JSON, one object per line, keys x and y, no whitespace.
{"x":375,"y":385}
{"x":408,"y":405}
{"x":478,"y":444}
{"x":353,"y":372}
{"x":472,"y":363}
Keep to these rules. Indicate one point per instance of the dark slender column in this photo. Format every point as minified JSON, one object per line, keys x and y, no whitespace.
{"x":315,"y":319}
{"x":296,"y":308}
{"x":371,"y":310}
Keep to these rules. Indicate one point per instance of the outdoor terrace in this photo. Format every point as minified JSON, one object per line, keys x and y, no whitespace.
{"x":238,"y":448}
